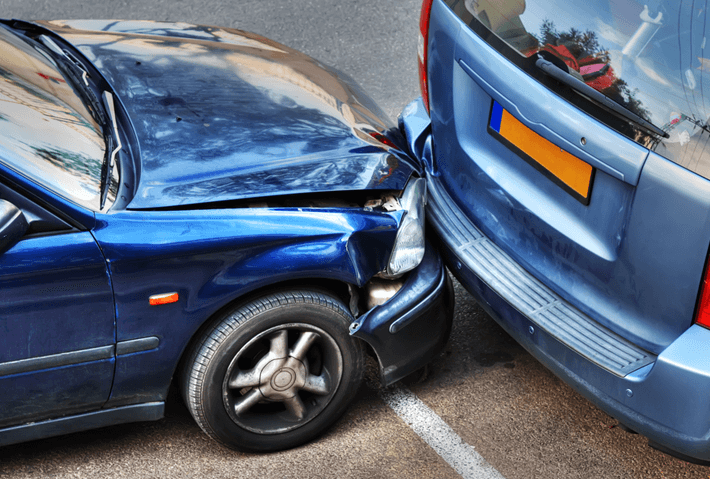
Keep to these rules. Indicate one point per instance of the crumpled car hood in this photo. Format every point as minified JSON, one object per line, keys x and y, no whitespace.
{"x":222,"y":115}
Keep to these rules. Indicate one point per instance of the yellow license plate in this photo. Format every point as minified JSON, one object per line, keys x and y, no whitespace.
{"x":569,"y":172}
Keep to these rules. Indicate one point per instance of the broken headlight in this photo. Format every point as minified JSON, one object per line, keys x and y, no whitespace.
{"x":408,"y":248}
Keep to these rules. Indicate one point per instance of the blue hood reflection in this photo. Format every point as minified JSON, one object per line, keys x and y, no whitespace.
{"x":224,"y":115}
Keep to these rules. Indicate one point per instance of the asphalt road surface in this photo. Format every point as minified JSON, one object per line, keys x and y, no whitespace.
{"x":484,"y":408}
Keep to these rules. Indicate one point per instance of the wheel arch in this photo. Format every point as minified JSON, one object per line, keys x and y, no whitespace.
{"x":317,"y":317}
{"x":339,"y":289}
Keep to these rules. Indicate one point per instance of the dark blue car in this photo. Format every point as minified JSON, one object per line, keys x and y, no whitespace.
{"x":568,"y":168}
{"x":207,"y":207}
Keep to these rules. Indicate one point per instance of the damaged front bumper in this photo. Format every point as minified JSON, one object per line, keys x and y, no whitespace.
{"x":410,"y":328}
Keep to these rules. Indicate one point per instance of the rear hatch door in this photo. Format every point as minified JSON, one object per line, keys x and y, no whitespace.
{"x":609,"y":210}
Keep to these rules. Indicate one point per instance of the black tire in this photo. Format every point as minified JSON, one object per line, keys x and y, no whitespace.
{"x":274,"y":373}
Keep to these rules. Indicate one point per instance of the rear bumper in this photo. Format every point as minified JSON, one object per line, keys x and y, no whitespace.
{"x":664,"y":397}
{"x":408,"y":330}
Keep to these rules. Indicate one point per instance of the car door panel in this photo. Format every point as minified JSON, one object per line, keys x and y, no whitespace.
{"x":56,"y":327}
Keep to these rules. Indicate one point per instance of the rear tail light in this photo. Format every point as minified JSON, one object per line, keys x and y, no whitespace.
{"x":422,"y":47}
{"x":702,"y":315}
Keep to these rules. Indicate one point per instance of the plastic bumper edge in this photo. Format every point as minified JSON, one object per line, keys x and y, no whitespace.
{"x":409,"y":329}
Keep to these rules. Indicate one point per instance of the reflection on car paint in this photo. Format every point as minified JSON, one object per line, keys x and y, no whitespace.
{"x":179,"y":85}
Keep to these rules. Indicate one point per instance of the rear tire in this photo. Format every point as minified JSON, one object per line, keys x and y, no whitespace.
{"x":274,"y":373}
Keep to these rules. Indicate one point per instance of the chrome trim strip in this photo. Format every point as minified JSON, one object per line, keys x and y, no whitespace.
{"x":136,"y":345}
{"x":56,"y":360}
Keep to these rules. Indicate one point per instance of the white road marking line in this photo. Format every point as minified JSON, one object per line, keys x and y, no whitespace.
{"x":438,"y":435}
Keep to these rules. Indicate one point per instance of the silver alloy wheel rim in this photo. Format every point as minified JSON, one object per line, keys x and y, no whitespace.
{"x":280,"y":389}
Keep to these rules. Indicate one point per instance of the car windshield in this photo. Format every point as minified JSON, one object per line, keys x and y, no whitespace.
{"x":649,"y":56}
{"x":46,"y":132}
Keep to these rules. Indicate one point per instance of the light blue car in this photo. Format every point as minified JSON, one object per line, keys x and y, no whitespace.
{"x":566,"y":145}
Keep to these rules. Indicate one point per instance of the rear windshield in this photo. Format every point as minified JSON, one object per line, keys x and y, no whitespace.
{"x":652,"y":57}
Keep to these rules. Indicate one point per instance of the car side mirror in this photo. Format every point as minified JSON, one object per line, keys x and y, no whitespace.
{"x":13,"y":225}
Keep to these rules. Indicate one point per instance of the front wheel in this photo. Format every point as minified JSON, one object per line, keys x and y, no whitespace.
{"x":274,"y":373}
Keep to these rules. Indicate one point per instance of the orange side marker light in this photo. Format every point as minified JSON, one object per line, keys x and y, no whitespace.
{"x":165,"y":298}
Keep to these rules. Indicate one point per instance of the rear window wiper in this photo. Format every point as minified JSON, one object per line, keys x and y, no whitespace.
{"x":604,"y":101}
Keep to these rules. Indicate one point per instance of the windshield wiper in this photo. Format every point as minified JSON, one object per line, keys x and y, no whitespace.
{"x":73,"y":69}
{"x":604,"y":101}
{"x":103,"y":112}
{"x":113,"y":146}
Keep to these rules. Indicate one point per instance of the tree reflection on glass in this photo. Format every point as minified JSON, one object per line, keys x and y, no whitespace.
{"x":582,"y":52}
{"x":79,"y":165}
